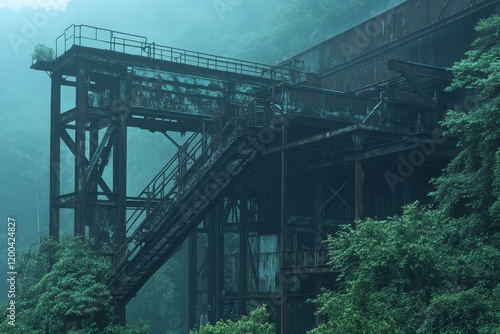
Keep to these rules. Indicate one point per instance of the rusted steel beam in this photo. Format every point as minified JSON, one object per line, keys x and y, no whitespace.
{"x":55,"y":155}
{"x":65,"y":201}
{"x":243,"y":236}
{"x":79,"y":149}
{"x":192,"y":278}
{"x":98,"y":158}
{"x":66,"y":138}
{"x":423,"y":70}
{"x":405,"y":72}
{"x":358,"y":191}
{"x":284,"y":235}
{"x":317,"y":138}
{"x":128,"y":60}
{"x":66,"y":117}
{"x":138,"y":202}
{"x":120,"y":168}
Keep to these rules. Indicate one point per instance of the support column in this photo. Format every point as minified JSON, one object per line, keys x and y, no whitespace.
{"x":243,"y":247}
{"x":193,"y":290}
{"x":358,"y":180}
{"x":318,"y":220}
{"x":220,"y":259}
{"x":284,"y":222}
{"x":80,"y":158}
{"x":93,"y":208}
{"x":55,"y":155}
{"x":120,"y":169}
{"x":318,"y":213}
{"x":216,"y":262}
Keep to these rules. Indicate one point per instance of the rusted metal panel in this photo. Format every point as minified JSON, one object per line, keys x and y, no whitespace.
{"x":316,"y":103}
{"x":183,"y":93}
{"x":326,"y":104}
{"x":416,"y":30}
{"x":419,"y":69}
{"x":265,"y":260}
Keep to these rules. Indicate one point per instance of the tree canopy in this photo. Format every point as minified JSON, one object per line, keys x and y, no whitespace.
{"x":436,"y":268}
{"x":63,"y":288}
{"x":256,"y":323}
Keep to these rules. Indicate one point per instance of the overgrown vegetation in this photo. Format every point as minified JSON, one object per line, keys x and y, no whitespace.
{"x":435,"y":269}
{"x":43,"y":53}
{"x":63,"y":288}
{"x":256,"y":323}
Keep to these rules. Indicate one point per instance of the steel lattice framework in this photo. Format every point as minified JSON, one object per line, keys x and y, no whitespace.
{"x":276,"y":157}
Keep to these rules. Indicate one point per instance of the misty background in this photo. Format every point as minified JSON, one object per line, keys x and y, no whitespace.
{"x":267,"y":31}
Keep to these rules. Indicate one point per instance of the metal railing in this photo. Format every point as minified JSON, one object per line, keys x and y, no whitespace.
{"x":168,"y":188}
{"x":89,"y":36}
{"x":307,"y":258}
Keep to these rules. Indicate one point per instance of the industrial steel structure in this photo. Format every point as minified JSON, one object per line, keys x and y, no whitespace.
{"x":275,"y":157}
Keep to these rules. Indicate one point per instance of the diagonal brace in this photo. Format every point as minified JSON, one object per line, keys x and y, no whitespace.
{"x":335,"y":193}
{"x":66,"y":138}
{"x":101,"y":155}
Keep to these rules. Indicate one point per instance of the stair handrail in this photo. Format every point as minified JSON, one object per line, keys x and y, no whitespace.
{"x":179,"y":189}
{"x":155,"y":191}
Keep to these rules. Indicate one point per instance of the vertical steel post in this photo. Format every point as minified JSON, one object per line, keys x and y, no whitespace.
{"x":120,"y":167}
{"x":216,"y":259}
{"x":192,"y":286}
{"x":284,"y":221}
{"x":220,"y":259}
{"x":317,"y":210}
{"x":80,"y":157}
{"x":243,"y":247}
{"x":358,"y":177}
{"x":55,"y":155}
{"x":94,"y":228}
{"x":319,"y":232}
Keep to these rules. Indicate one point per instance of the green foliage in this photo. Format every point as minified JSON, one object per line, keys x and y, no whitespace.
{"x":256,"y":323}
{"x":42,"y":53}
{"x":470,"y":183}
{"x":388,"y":273}
{"x":468,"y":311}
{"x":63,"y":289}
{"x":74,"y":293}
{"x":434,"y":269}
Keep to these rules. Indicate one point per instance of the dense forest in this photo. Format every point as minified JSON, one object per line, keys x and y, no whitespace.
{"x":433,"y":269}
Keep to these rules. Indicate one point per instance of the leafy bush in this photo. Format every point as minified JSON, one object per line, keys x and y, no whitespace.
{"x":43,"y":53}
{"x":256,"y":323}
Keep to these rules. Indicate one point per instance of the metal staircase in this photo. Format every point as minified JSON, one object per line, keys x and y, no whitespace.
{"x":176,"y":199}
